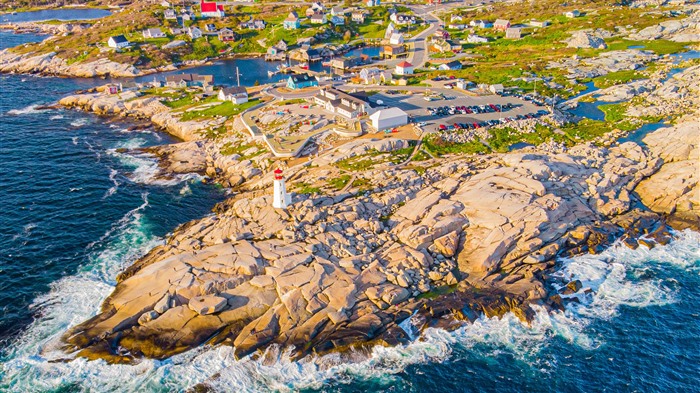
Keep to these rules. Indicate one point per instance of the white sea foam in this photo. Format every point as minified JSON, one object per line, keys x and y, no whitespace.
{"x":616,"y":277}
{"x":26,"y":110}
{"x":56,"y":117}
{"x":80,"y":122}
{"x":113,"y":177}
{"x":144,"y":168}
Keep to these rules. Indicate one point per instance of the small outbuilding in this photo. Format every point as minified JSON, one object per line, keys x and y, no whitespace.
{"x":388,"y":118}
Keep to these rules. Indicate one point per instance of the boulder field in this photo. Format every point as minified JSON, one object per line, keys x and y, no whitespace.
{"x":470,"y":236}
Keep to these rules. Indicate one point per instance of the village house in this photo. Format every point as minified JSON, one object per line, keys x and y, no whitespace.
{"x":169,"y":14}
{"x":226,"y":35}
{"x":454,"y":26}
{"x":372,"y":3}
{"x":537,"y":23}
{"x":237,"y":94}
{"x":451,"y":66}
{"x":358,"y":16}
{"x":441,"y":45}
{"x":481,"y":24}
{"x":210,"y":27}
{"x":456,"y":18}
{"x":513,"y":33}
{"x":300,"y":81}
{"x":338,"y":11}
{"x":402,"y":19}
{"x":441,"y":33}
{"x":475,"y":39}
{"x":396,"y":39}
{"x":318,"y":19}
{"x":118,"y":42}
{"x":336,"y":101}
{"x":501,"y":24}
{"x":496,"y":89}
{"x":211,"y":9}
{"x":390,"y":30}
{"x":189,"y":80}
{"x":282,"y":46}
{"x":464,"y":85}
{"x":375,"y":76}
{"x":176,"y":31}
{"x":153,"y":33}
{"x":346,"y":63}
{"x":572,"y":14}
{"x":194,"y":32}
{"x":392,"y":51}
{"x":187,"y":16}
{"x":253,"y":24}
{"x":404,"y":68}
{"x":292,"y":22}
{"x":337,"y":20}
{"x":310,"y":54}
{"x":318,"y":7}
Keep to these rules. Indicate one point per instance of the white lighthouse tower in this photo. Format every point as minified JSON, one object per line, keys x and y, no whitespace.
{"x":281,"y":198}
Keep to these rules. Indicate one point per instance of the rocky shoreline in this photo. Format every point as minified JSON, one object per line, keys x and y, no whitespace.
{"x":470,"y":237}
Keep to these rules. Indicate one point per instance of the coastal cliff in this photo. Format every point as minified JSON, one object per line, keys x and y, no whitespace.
{"x":470,"y":236}
{"x":50,"y":64}
{"x":129,"y":104}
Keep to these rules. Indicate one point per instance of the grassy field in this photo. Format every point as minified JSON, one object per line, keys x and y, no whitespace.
{"x":226,"y":109}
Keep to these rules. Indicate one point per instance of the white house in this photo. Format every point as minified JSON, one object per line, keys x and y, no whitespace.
{"x":396,"y":39}
{"x":572,"y":14}
{"x":237,"y":94}
{"x":384,"y":119}
{"x":170,"y":14}
{"x":496,"y":89}
{"x":318,"y":18}
{"x":475,"y":39}
{"x":375,"y":76}
{"x":389,"y":31}
{"x":118,"y":42}
{"x":539,"y":23}
{"x":451,"y":66}
{"x":404,"y":68}
{"x":153,"y":33}
{"x":194,"y":32}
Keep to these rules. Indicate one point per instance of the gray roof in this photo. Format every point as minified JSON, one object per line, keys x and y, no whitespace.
{"x":234,"y":90}
{"x":119,"y":39}
{"x":302,"y":78}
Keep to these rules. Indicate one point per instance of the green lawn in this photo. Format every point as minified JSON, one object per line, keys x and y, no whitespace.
{"x":437,"y":146}
{"x":226,"y":109}
{"x":617,"y":78}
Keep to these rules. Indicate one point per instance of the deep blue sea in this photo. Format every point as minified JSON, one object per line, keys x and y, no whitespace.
{"x":75,"y":212}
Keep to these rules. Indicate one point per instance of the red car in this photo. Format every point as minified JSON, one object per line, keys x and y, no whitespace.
{"x":443,"y":127}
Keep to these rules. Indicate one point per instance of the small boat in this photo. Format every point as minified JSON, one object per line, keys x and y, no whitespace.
{"x":304,"y":66}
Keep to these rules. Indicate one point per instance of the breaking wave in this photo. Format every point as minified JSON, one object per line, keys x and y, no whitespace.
{"x":145,"y":168}
{"x":31,"y":109}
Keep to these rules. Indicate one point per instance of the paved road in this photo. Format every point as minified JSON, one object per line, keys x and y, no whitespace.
{"x":419,"y":55}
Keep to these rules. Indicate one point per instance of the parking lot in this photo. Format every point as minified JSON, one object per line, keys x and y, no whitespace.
{"x":418,"y":108}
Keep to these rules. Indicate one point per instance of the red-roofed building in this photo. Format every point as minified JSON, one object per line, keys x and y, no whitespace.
{"x":211,"y":10}
{"x":404,"y":68}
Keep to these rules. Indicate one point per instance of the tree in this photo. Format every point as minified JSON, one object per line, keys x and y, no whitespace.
{"x":347,"y":36}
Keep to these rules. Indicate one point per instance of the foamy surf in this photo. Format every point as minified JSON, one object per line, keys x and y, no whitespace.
{"x":26,"y":110}
{"x":616,"y":277}
{"x":145,"y":169}
{"x":79,"y":123}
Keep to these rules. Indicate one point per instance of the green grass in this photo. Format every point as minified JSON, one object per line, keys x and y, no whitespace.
{"x":613,"y":112}
{"x":226,"y":109}
{"x":501,"y":140}
{"x":305,"y":188}
{"x":339,"y":182}
{"x":661,"y":47}
{"x":437,"y":146}
{"x":617,"y":78}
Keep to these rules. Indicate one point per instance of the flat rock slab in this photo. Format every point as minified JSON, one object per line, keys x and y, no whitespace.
{"x":205,"y":305}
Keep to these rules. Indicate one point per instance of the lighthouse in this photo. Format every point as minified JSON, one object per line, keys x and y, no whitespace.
{"x":281,"y":198}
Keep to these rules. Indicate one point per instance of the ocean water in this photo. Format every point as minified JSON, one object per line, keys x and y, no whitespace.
{"x":75,"y":212}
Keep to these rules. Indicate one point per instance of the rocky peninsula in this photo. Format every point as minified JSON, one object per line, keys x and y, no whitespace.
{"x":470,"y":236}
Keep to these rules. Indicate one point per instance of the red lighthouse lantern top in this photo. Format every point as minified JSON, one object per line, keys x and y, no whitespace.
{"x":278,"y":174}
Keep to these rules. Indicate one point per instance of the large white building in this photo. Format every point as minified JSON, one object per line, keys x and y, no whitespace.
{"x":384,"y":119}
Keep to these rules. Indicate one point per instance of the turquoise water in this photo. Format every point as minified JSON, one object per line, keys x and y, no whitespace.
{"x":76,"y":212}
